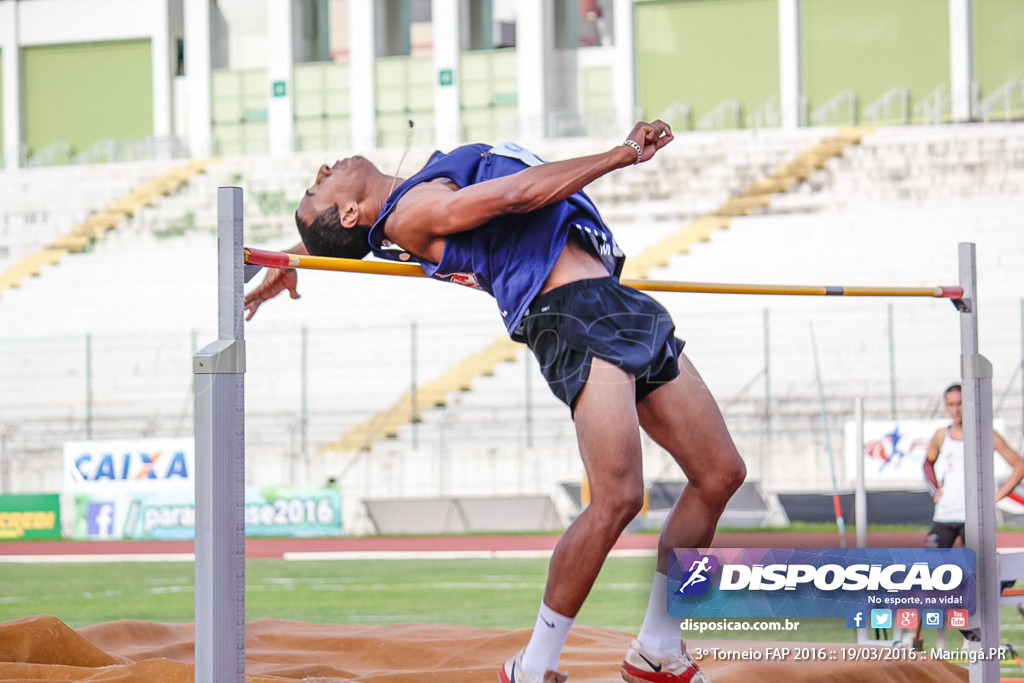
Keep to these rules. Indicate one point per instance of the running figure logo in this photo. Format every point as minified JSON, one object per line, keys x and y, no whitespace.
{"x":696,"y":580}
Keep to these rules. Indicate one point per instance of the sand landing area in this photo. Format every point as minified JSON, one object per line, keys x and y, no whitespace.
{"x":42,"y":648}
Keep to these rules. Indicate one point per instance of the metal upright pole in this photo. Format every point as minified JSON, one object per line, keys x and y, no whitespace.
{"x":861,"y":496}
{"x":980,"y":527}
{"x":860,"y":499}
{"x":766,"y":450}
{"x":220,"y":467}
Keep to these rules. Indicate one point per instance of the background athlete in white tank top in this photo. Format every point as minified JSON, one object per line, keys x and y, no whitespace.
{"x":944,"y":472}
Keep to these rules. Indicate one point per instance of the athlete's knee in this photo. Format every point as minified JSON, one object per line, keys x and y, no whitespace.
{"x":729,"y":475}
{"x":718,"y":484}
{"x":736,"y":474}
{"x":621,"y":504}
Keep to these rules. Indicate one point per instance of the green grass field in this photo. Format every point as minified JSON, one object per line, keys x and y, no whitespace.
{"x":494,"y":593}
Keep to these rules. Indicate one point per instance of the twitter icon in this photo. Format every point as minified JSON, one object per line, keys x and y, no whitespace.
{"x":881,"y":618}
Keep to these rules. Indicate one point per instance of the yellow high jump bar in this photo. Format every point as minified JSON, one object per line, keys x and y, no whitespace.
{"x":279,"y":259}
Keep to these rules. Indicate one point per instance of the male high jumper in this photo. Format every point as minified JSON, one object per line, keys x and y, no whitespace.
{"x":499,"y":219}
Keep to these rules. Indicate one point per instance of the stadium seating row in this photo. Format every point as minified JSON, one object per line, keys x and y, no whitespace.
{"x":322,"y":365}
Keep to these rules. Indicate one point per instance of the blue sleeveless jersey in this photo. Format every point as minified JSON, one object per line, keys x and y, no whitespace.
{"x":508,"y":257}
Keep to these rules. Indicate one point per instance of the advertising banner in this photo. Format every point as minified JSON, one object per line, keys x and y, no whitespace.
{"x":144,"y":464}
{"x":29,"y":516}
{"x":821,"y":582}
{"x":292,"y":511}
{"x":894,"y":452}
{"x":117,"y":513}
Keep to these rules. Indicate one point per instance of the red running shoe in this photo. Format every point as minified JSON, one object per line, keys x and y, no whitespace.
{"x":641,"y":666}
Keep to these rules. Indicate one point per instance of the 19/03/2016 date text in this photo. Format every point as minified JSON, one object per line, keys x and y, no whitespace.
{"x":877,"y":653}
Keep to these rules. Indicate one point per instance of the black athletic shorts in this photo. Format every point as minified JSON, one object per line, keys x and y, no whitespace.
{"x":600,"y":318}
{"x":944,"y":535}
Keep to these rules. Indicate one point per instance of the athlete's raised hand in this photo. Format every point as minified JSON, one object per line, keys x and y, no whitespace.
{"x":651,"y":137}
{"x":274,"y":282}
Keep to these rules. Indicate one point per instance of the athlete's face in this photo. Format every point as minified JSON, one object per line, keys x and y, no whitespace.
{"x":334,"y":185}
{"x":954,"y":405}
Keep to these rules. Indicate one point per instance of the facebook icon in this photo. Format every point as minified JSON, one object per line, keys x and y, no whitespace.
{"x":855,"y":618}
{"x":100,"y":520}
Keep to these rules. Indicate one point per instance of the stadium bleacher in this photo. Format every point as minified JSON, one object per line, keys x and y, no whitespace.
{"x":887,"y":211}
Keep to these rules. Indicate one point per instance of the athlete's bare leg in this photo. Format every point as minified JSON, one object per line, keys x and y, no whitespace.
{"x":684,"y":419}
{"x":608,"y":432}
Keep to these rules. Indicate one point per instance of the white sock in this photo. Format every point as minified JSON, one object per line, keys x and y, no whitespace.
{"x":545,"y":646}
{"x":660,"y":633}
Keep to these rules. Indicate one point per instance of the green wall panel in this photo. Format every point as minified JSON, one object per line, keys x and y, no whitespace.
{"x":999,"y":48}
{"x":322,"y":118}
{"x":870,"y":46}
{"x":488,"y":94}
{"x":704,"y":51}
{"x":999,"y":41}
{"x":238,"y":105}
{"x":598,"y":100}
{"x":86,"y":92}
{"x":404,"y":90}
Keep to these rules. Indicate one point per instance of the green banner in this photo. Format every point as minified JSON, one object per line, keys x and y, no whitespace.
{"x":169,"y":514}
{"x":29,"y":516}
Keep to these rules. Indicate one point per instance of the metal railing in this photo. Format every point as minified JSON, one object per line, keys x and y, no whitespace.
{"x":831,"y":112}
{"x":141,"y":149}
{"x":724,"y":115}
{"x":892,"y":107}
{"x":933,"y":107}
{"x":937,"y":106}
{"x":1001,"y":100}
{"x":564,"y":123}
{"x":678,"y":115}
{"x":767,"y":115}
{"x":56,"y":153}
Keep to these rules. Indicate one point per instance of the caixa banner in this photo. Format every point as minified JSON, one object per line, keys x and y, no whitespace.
{"x":144,"y":464}
{"x":817,"y":582}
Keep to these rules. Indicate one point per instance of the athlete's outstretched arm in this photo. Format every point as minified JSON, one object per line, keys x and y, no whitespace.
{"x":433,"y":210}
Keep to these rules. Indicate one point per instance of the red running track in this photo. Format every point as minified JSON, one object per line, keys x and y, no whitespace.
{"x":277,"y":547}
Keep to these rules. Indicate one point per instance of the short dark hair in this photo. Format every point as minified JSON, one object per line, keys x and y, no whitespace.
{"x":952,"y":387}
{"x":324,"y":236}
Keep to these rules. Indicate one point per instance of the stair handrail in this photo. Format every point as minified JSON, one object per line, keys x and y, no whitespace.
{"x":149,"y":148}
{"x":766,"y":115}
{"x":881,"y":110}
{"x":678,"y":115}
{"x":1004,"y":95}
{"x":726,"y":111}
{"x":828,"y":112}
{"x":57,"y":152}
{"x":933,"y":107}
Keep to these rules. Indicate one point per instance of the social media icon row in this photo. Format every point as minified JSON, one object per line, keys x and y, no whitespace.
{"x":905,"y":618}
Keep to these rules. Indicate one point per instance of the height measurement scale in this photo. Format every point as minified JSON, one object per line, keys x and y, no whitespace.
{"x":219,"y":370}
{"x":980,"y":527}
